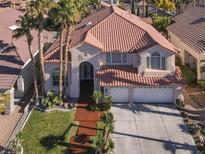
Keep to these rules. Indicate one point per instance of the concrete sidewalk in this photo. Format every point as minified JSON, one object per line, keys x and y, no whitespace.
{"x":8,"y":123}
{"x":150,"y":129}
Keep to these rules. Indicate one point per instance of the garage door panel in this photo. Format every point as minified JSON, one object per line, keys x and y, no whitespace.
{"x":119,"y":94}
{"x":155,"y":95}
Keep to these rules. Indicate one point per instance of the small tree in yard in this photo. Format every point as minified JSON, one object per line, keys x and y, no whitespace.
{"x":108,"y":120}
{"x":161,"y":22}
{"x":97,"y":95}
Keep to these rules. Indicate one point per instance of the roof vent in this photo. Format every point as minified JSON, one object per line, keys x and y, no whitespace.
{"x":13,"y":27}
{"x":88,"y":24}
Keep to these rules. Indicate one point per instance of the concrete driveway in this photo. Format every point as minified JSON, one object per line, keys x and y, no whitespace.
{"x":150,"y":129}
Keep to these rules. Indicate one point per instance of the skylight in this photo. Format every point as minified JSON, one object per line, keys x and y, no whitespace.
{"x":88,"y":24}
{"x":13,"y":27}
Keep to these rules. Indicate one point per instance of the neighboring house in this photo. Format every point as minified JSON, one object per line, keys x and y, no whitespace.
{"x":123,"y":56}
{"x":188,"y":35}
{"x":15,"y":63}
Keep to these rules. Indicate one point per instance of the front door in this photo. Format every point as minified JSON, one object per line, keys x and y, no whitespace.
{"x":86,"y":71}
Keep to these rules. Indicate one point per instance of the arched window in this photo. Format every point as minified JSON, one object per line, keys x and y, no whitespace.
{"x":156,"y":61}
{"x":55,"y":78}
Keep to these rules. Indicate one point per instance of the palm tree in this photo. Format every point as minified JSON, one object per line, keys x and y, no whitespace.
{"x":143,"y":9}
{"x":37,"y":9}
{"x":74,"y":10}
{"x":57,"y":14}
{"x":97,"y":95}
{"x":26,"y":24}
{"x":157,"y":6}
{"x":133,"y":6}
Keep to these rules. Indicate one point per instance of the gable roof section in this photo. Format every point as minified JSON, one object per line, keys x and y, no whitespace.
{"x":190,"y":27}
{"x":114,"y":30}
{"x":80,"y":31}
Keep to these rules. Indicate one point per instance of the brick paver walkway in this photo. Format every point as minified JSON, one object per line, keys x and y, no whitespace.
{"x":80,"y":143}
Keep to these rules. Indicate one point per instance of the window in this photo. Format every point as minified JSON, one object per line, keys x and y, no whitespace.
{"x":124,"y":58}
{"x":156,"y":61}
{"x":55,"y":78}
{"x":163,"y":63}
{"x":148,"y":62}
{"x":108,"y":58}
{"x":116,"y":58}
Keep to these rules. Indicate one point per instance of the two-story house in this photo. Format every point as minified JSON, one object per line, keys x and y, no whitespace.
{"x":121,"y":55}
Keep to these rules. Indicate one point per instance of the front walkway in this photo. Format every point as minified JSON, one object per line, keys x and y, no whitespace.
{"x":150,"y":129}
{"x":87,"y":128}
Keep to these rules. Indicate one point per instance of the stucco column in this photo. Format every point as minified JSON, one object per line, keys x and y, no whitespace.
{"x":198,"y":69}
{"x":174,"y":94}
{"x":131,"y":99}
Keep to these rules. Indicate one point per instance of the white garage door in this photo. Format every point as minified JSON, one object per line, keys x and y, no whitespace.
{"x":119,"y":94}
{"x":155,"y":95}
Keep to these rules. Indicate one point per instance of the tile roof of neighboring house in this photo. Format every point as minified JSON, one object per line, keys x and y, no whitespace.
{"x":15,"y":53}
{"x":190,"y":27}
{"x":114,"y":30}
{"x":127,"y":76}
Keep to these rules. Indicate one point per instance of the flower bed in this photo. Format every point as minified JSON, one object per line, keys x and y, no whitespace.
{"x":4,"y":103}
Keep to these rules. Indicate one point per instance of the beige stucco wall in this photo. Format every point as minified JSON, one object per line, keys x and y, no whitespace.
{"x":170,"y":62}
{"x":92,"y":56}
{"x":184,"y":49}
{"x":25,"y":79}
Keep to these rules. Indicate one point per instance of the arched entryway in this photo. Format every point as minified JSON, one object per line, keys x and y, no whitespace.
{"x":86,"y":81}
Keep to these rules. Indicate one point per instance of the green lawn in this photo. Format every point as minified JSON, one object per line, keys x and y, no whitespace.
{"x":48,"y":132}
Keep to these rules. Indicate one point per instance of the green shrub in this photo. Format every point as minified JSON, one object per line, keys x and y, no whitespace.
{"x":52,"y":99}
{"x":203,"y":131}
{"x":102,"y":103}
{"x":201,"y":84}
{"x":180,"y":103}
{"x":188,"y":75}
{"x":92,"y":107}
{"x":105,"y":106}
{"x":4,"y":102}
{"x":161,"y":22}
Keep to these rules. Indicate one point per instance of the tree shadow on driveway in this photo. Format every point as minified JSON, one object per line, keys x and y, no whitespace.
{"x":168,"y":145}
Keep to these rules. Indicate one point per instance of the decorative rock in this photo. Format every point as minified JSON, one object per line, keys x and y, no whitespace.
{"x":65,"y":105}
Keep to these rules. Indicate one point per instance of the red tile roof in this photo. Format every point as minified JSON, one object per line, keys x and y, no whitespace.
{"x":114,"y":30}
{"x":121,"y":76}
